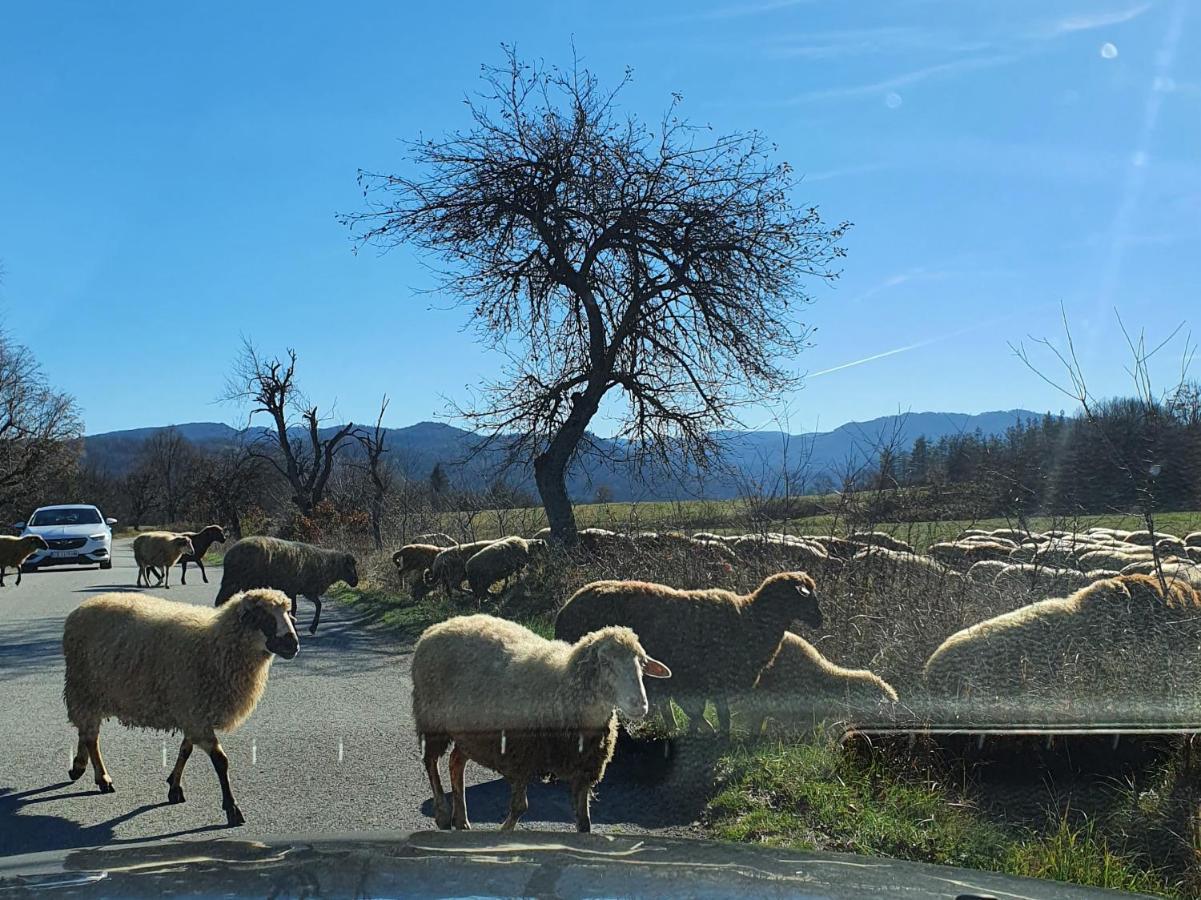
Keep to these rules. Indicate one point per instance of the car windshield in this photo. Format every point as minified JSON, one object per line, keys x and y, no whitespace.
{"x":768,"y":422}
{"x":65,"y":515}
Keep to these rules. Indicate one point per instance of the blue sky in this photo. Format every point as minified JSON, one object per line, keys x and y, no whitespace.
{"x":170,"y":175}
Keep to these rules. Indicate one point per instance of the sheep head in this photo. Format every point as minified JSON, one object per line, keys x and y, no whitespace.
{"x":350,"y":571}
{"x":268,"y":612}
{"x":795,"y":591}
{"x":183,"y":544}
{"x":609,"y":665}
{"x":216,"y":534}
{"x":38,"y":541}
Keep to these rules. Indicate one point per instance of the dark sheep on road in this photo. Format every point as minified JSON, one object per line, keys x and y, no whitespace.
{"x":295,"y":568}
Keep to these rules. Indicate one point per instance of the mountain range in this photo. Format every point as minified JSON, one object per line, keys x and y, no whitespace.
{"x":750,"y":458}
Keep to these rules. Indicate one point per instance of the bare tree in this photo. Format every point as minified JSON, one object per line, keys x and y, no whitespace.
{"x":171,"y":457}
{"x":658,"y":266}
{"x":139,"y":494}
{"x":1153,"y":413}
{"x":293,"y":445}
{"x":228,"y":482}
{"x":374,"y":444}
{"x":39,"y":427}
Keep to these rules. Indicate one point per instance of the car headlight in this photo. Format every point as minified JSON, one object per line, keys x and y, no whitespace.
{"x":96,"y":537}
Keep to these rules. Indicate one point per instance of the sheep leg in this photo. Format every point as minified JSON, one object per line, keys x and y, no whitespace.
{"x":458,"y":766}
{"x":694,"y":709}
{"x":723,"y":715}
{"x":434,"y":748}
{"x":175,"y":779}
{"x":165,"y":580}
{"x":518,"y":804}
{"x":183,"y":572}
{"x":581,"y":798}
{"x":2,"y":575}
{"x":221,"y":766}
{"x":18,"y":573}
{"x":80,"y":764}
{"x":200,"y":566}
{"x":103,"y":782}
{"x":316,"y":598}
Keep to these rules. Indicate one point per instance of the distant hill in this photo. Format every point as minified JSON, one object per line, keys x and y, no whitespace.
{"x":748,"y":455}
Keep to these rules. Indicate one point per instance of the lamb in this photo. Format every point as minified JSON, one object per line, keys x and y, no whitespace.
{"x":201,"y":541}
{"x":1110,"y":559}
{"x":986,"y":571}
{"x":449,"y":567}
{"x":289,"y":566}
{"x":716,"y":641}
{"x":801,"y":688}
{"x":1032,"y":661}
{"x":1147,"y":538}
{"x":168,"y":666}
{"x":1193,"y":539}
{"x":499,"y":560}
{"x":837,"y":546}
{"x":794,"y":554}
{"x":15,"y":550}
{"x":159,"y":550}
{"x":524,"y":707}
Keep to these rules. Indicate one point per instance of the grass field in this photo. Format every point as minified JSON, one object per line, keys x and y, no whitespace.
{"x":734,"y":517}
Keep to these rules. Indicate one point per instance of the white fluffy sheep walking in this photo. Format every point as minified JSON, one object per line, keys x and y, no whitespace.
{"x":168,"y":666}
{"x":15,"y":550}
{"x":523,"y":706}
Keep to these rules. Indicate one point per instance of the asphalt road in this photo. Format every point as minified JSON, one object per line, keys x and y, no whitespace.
{"x":330,"y":749}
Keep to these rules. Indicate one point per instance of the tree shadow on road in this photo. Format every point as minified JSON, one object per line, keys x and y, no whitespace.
{"x":21,"y":832}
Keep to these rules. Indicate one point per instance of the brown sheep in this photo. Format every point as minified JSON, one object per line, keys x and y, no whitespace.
{"x":716,"y":642}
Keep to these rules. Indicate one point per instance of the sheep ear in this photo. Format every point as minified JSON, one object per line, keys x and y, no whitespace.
{"x":652,"y":668}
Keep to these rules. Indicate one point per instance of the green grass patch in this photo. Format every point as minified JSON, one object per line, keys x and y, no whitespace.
{"x":407,"y":618}
{"x":816,"y":795}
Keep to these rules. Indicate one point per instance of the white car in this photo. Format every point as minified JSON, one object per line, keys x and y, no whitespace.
{"x":78,"y":535}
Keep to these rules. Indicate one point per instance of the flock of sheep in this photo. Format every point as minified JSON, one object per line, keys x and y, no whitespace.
{"x":1094,"y":607}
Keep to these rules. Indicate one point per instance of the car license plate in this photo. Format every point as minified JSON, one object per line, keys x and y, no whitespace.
{"x":62,"y":554}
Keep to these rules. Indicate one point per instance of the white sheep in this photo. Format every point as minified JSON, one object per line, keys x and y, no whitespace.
{"x":524,"y":707}
{"x":168,"y":666}
{"x":15,"y":550}
{"x":801,"y":688}
{"x":1039,"y":661}
{"x":159,"y":550}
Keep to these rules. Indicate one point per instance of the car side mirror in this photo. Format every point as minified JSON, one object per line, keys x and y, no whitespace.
{"x":20,"y":526}
{"x":110,"y":521}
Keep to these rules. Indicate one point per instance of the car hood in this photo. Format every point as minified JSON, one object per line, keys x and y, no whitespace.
{"x":481,"y":864}
{"x":50,"y":532}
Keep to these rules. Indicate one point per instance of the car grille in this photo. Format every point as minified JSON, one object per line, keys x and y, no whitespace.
{"x":67,"y":543}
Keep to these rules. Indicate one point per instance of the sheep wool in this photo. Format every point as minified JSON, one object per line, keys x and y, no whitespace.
{"x":1114,"y":650}
{"x":158,"y":551}
{"x":523,"y":706}
{"x":293,"y":567}
{"x":716,"y":642}
{"x":500,"y":560}
{"x":170,"y":666}
{"x":802,"y":688}
{"x":15,"y":550}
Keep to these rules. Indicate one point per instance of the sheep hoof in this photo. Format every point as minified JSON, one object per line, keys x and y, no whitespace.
{"x":175,"y":793}
{"x":75,"y":773}
{"x":462,"y":825}
{"x":234,"y":816}
{"x":106,"y":787}
{"x":312,"y":629}
{"x":442,"y":820}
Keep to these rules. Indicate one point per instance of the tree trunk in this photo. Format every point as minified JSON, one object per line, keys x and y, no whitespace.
{"x":550,"y":474}
{"x":377,"y":513}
